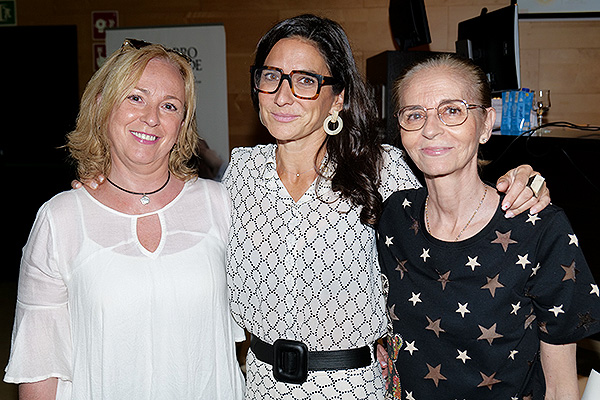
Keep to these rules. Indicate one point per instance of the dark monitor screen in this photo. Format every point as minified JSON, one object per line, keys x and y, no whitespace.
{"x":491,"y":40}
{"x":408,"y":21}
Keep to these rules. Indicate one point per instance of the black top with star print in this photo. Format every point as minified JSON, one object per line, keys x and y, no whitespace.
{"x":471,"y":313}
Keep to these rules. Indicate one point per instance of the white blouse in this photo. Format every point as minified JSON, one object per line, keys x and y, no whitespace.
{"x":305,"y":270}
{"x":112,"y":320}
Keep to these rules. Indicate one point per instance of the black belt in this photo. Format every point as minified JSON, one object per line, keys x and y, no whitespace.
{"x":291,"y":360}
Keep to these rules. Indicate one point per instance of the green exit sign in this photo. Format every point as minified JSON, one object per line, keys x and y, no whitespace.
{"x":8,"y":12}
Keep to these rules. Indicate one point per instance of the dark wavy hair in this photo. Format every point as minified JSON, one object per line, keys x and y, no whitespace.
{"x":355,"y":154}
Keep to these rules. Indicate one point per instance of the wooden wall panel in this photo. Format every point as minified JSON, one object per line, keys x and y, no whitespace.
{"x":442,"y":34}
{"x":577,"y":108}
{"x":559,"y":34}
{"x":562,"y":56}
{"x":570,"y":70}
{"x":530,"y":68}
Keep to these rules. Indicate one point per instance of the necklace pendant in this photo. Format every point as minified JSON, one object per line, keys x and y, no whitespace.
{"x":145,"y":200}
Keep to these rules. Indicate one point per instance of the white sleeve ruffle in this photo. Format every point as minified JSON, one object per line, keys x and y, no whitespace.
{"x":40,"y":345}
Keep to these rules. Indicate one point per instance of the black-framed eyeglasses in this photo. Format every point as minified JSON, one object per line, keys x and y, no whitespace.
{"x":304,"y":85}
{"x":450,"y":112}
{"x":140,"y":44}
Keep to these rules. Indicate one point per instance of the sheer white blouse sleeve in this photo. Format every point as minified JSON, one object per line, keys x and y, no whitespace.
{"x":41,"y":340}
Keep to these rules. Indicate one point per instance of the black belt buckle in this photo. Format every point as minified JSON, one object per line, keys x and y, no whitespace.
{"x":290,"y":361}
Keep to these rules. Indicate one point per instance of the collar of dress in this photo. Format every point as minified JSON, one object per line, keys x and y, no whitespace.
{"x":271,"y":178}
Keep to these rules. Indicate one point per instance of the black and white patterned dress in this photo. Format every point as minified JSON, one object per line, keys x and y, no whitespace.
{"x":305,"y":271}
{"x":471,"y":314}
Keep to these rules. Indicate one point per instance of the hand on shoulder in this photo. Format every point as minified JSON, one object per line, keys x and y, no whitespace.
{"x":90,"y":183}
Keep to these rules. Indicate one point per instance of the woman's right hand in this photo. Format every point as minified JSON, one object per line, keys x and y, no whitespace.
{"x":91,"y":183}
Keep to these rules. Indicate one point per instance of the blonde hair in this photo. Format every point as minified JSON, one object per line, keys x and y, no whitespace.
{"x":88,"y":144}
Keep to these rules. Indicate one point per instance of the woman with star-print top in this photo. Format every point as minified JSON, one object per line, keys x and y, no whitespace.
{"x":481,"y":306}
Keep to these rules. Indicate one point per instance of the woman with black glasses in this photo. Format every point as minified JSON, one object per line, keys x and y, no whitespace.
{"x":122,"y":291}
{"x":302,"y":263}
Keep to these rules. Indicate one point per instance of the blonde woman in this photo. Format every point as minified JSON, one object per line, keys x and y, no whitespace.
{"x":122,"y":292}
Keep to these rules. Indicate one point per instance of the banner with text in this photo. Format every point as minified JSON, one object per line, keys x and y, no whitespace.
{"x":205,"y":45}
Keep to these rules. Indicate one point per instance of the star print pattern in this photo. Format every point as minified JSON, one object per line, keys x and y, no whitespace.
{"x":532,"y":218}
{"x":573,"y":240}
{"x":306,"y":270}
{"x":392,"y":313}
{"x":434,"y":326}
{"x":488,"y":381}
{"x":503,"y":239}
{"x":410,"y":347}
{"x":444,"y":279}
{"x":492,"y":284}
{"x":516,"y":308}
{"x":489,"y":334}
{"x":472,"y":263}
{"x":462,"y":309}
{"x":389,"y":241}
{"x":435,"y":375}
{"x":501,"y":291}
{"x":557,"y":310}
{"x":415,"y":298}
{"x":415,"y":226}
{"x":570,"y":271}
{"x":401,"y":267}
{"x":529,"y":320}
{"x":586,"y":320}
{"x":462,"y":355}
{"x":523,"y":261}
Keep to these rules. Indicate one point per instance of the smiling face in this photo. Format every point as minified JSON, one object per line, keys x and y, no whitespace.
{"x":437,"y":149}
{"x":145,"y":126}
{"x":286,"y":117}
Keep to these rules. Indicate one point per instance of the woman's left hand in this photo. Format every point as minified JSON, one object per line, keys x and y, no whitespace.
{"x":519,"y":196}
{"x":382,"y":357}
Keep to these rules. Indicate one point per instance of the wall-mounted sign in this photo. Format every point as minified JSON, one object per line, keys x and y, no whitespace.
{"x":99,"y":50}
{"x":103,"y":20}
{"x":8,"y":12}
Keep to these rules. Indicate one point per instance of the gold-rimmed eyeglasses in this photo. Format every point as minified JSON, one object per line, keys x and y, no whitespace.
{"x":140,"y":44}
{"x":450,"y":113}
